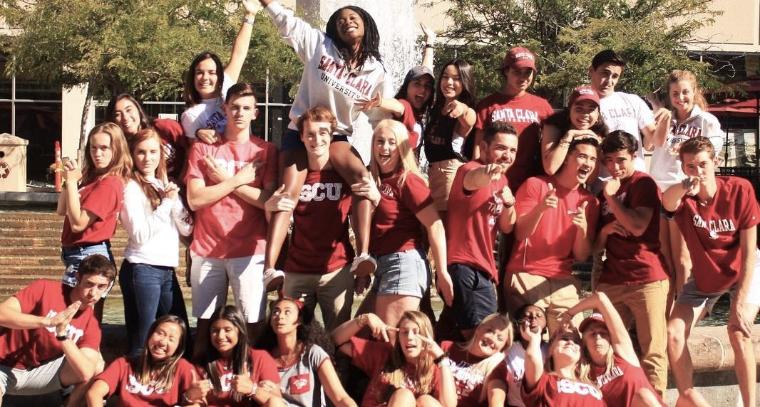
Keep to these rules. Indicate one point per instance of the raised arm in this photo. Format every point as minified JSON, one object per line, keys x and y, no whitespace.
{"x":482,"y":176}
{"x":343,"y":333}
{"x":429,"y":50}
{"x":242,"y":41}
{"x":79,"y":218}
{"x":662,"y":120}
{"x":671,"y":198}
{"x":534,"y":359}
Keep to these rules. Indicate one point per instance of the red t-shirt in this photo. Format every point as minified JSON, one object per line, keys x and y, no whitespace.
{"x":471,"y":224}
{"x":30,"y":348}
{"x":175,"y":145}
{"x":412,"y":122}
{"x":634,"y":259}
{"x":371,"y":357}
{"x":232,"y":227}
{"x":551,"y":390}
{"x":262,"y":367}
{"x":102,"y":198}
{"x":395,"y":227}
{"x":121,"y":380}
{"x":548,"y":252}
{"x":320,"y":243}
{"x":620,"y":385}
{"x":469,"y":381}
{"x":712,"y":232}
{"x":525,"y":113}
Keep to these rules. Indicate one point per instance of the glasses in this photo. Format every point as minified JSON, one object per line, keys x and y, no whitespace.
{"x":570,"y":338}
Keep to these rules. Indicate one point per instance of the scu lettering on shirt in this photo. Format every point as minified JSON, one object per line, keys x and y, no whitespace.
{"x":135,"y":387}
{"x":72,"y":332}
{"x":566,"y":386}
{"x":320,"y":191}
{"x":465,"y":378}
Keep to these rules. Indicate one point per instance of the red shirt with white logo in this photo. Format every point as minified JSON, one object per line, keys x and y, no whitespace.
{"x":395,"y":227}
{"x":231,"y":227}
{"x":320,"y":244}
{"x":552,"y":390}
{"x":102,"y":198}
{"x":525,"y":113}
{"x":371,"y":358}
{"x":471,"y":224}
{"x":30,"y":348}
{"x":122,"y":380}
{"x":468,"y":377}
{"x":261,"y":367}
{"x":634,"y":259}
{"x":548,"y":252}
{"x":620,"y":384}
{"x":712,"y":232}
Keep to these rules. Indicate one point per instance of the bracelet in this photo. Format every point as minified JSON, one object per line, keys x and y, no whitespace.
{"x":61,"y":338}
{"x":249,"y":20}
{"x":440,"y":359}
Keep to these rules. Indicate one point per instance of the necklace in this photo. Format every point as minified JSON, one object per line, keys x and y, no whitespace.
{"x":290,"y":358}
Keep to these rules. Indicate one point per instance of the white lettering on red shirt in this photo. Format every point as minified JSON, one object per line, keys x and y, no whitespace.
{"x":566,"y":386}
{"x":320,"y":191}
{"x":72,"y":332}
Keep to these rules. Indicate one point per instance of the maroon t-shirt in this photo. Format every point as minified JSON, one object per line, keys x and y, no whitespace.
{"x":262,"y":367}
{"x":525,"y":113}
{"x":175,"y":146}
{"x":121,"y":380}
{"x":412,"y":121}
{"x":320,"y":243}
{"x":30,"y":348}
{"x":371,"y":357}
{"x":634,"y":259}
{"x":395,"y":227}
{"x":471,"y":224}
{"x":712,"y":232}
{"x":468,"y":380}
{"x":102,"y":198}
{"x":553,"y":391}
{"x":620,"y":384}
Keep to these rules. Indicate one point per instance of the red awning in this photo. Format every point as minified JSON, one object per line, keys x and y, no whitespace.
{"x":736,"y":108}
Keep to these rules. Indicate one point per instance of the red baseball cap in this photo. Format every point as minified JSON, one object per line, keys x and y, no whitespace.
{"x":519,"y":57}
{"x":584,"y":92}
{"x":595,"y":317}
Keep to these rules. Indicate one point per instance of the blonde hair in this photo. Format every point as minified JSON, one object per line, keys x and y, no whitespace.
{"x":679,"y":75}
{"x":609,"y":358}
{"x":487,"y":365}
{"x":582,"y":367}
{"x":121,"y":160}
{"x":394,"y":370}
{"x":407,"y":160}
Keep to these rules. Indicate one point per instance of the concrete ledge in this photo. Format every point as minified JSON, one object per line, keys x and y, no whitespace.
{"x":39,"y":198}
{"x":711,"y":349}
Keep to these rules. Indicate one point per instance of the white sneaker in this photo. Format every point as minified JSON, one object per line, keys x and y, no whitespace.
{"x":273,"y":279}
{"x":363,"y":265}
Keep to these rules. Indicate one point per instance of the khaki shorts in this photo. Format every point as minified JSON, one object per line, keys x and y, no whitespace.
{"x":553,"y":295}
{"x":441,"y":176}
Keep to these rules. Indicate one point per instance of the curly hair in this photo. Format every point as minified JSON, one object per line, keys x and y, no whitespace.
{"x":309,"y":331}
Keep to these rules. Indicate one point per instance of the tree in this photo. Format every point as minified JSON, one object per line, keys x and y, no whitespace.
{"x":566,"y":34}
{"x":139,"y":46}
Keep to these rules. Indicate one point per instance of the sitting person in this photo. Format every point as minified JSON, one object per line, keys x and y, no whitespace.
{"x":535,"y":318}
{"x":50,"y":338}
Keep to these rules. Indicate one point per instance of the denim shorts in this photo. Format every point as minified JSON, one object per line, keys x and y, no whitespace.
{"x":291,"y":140}
{"x":74,"y":255}
{"x":402,"y":273}
{"x":474,"y":295}
{"x":691,"y":296}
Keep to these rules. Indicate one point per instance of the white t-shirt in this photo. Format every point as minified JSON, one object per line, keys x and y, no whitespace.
{"x":666,"y":166}
{"x":209,"y":114}
{"x":627,"y":112}
{"x":326,"y":80}
{"x":515,"y":361}
{"x":153,"y":235}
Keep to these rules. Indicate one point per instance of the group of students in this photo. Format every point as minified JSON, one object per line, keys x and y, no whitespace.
{"x":666,"y":241}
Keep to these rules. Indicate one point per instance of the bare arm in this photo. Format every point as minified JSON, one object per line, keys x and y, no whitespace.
{"x":482,"y":176}
{"x":448,"y":395}
{"x":742,"y":314}
{"x":334,"y":389}
{"x":199,"y":195}
{"x":437,"y":235}
{"x":343,"y":333}
{"x":11,"y":316}
{"x":554,"y":148}
{"x":97,"y":392}
{"x":662,"y":120}
{"x":265,"y":3}
{"x":254,"y":196}
{"x":496,"y":393}
{"x":648,"y":134}
{"x":428,"y":51}
{"x":242,"y":41}
{"x":60,"y":208}
{"x":534,"y":359}
{"x":476,"y":145}
{"x":634,"y":220}
{"x":671,"y":198}
{"x":583,"y":236}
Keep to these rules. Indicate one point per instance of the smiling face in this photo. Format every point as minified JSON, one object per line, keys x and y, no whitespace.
{"x":284,"y":318}
{"x":240,"y":111}
{"x":502,"y":149}
{"x":127,"y":116}
{"x":605,"y":77}
{"x":224,"y":336}
{"x":419,"y":91}
{"x":517,"y":80}
{"x":451,"y":82}
{"x":620,"y":164}
{"x":350,"y":26}
{"x":584,"y":114}
{"x":205,"y":78}
{"x":100,"y":151}
{"x":147,"y":156}
{"x":581,"y":162}
{"x":565,"y":348}
{"x":490,"y":337}
{"x":164,"y":341}
{"x":385,"y":150}
{"x":316,"y":137}
{"x":682,"y":97}
{"x":596,"y":339}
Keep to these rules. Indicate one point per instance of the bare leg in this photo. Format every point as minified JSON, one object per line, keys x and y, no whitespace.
{"x":402,"y":398}
{"x":390,"y":308}
{"x":427,"y":400}
{"x":744,"y":360}
{"x":682,"y":320}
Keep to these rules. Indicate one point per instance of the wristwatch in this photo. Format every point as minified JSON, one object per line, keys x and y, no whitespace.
{"x":61,"y":337}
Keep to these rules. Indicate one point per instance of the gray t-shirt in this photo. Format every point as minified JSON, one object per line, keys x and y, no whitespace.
{"x":299,"y":384}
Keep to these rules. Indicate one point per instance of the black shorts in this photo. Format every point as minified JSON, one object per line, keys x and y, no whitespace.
{"x":474,"y":295}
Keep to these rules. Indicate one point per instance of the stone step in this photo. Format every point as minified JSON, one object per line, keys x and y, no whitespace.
{"x":36,"y":240}
{"x":11,"y":285}
{"x":50,"y":271}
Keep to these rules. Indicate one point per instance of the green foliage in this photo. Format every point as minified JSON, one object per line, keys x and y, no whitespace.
{"x":566,"y":34}
{"x":140,"y":46}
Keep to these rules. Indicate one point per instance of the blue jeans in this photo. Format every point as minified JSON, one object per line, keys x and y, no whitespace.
{"x":74,"y":255}
{"x":149,"y":292}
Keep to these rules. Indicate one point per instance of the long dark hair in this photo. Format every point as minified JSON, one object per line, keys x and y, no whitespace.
{"x":160,"y":373}
{"x":467,"y":96}
{"x":309,"y":331}
{"x":402,"y":91}
{"x":111,"y":109}
{"x":561,"y":120}
{"x":240,"y":360}
{"x":190,"y":94}
{"x":370,"y":46}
